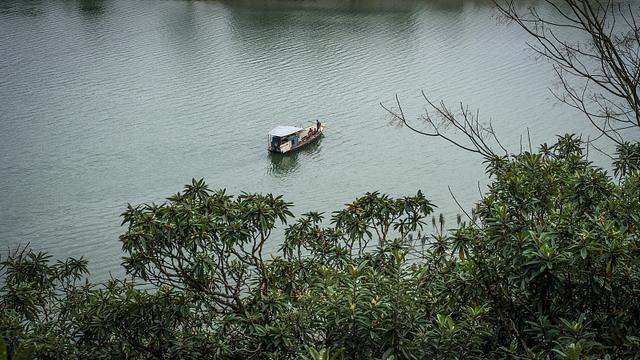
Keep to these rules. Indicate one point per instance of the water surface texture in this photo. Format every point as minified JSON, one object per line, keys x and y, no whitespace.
{"x":104,"y":103}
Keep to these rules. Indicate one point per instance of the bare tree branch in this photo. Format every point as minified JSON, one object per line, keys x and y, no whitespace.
{"x":438,"y":117}
{"x":592,"y":51}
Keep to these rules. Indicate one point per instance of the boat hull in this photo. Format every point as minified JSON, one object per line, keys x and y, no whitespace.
{"x":283,"y":149}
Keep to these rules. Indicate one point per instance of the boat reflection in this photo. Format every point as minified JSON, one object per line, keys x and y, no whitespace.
{"x":286,"y":164}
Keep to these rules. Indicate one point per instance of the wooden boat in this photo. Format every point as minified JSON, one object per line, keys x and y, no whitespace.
{"x":283,"y":139}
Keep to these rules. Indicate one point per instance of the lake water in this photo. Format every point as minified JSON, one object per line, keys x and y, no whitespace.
{"x":104,"y":103}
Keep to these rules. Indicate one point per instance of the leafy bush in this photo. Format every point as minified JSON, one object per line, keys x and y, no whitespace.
{"x":546,"y":266}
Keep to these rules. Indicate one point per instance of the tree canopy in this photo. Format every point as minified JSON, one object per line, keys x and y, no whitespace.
{"x":547,"y":265}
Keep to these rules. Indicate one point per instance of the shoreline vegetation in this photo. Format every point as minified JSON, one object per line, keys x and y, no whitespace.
{"x":547,"y":265}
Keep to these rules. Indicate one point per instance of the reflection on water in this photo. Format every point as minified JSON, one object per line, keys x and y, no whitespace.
{"x":91,"y":7}
{"x":286,"y":164}
{"x":283,"y":164}
{"x":360,"y":6}
{"x":23,"y":8}
{"x":332,"y":5}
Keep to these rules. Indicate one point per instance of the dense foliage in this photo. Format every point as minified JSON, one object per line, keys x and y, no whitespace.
{"x":546,"y":266}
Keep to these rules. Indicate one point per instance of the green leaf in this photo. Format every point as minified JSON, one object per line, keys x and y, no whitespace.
{"x":3,"y":349}
{"x":24,"y":352}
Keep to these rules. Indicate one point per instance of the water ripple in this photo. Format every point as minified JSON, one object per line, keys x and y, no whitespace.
{"x":128,"y":102}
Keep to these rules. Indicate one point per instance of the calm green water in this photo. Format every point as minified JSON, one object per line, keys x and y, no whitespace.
{"x":108,"y":102}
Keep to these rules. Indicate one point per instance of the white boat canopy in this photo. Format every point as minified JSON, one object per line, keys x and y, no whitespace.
{"x":281,"y":131}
